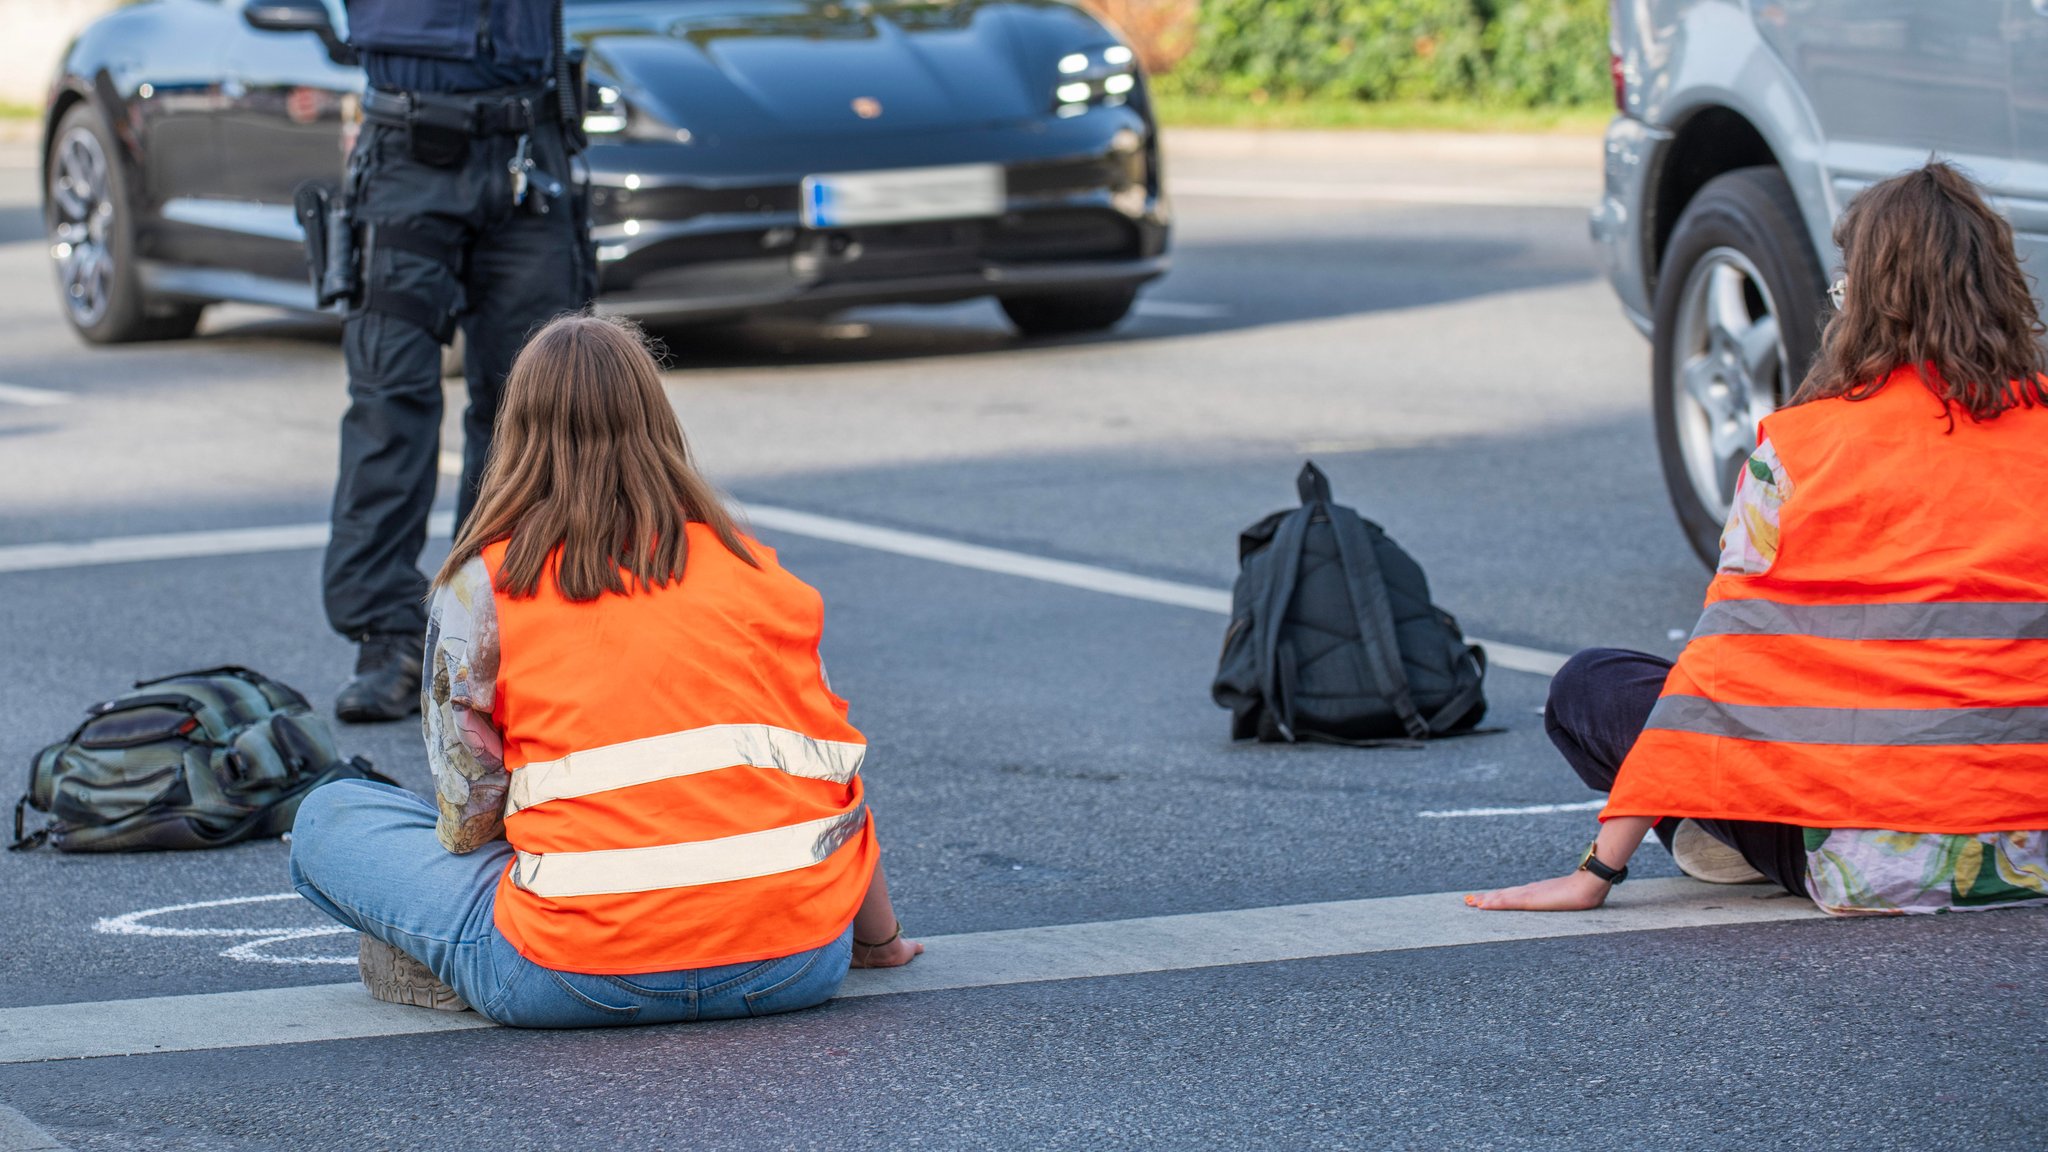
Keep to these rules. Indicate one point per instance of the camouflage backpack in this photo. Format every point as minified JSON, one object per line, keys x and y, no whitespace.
{"x":194,"y":760}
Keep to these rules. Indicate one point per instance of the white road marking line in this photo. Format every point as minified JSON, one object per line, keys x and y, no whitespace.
{"x":973,"y":960}
{"x":32,"y":397}
{"x":1000,"y":560}
{"x":19,"y":1134}
{"x":1529,"y":810}
{"x":184,"y":545}
{"x":1176,"y":310}
{"x":1477,"y":195}
{"x":179,"y":546}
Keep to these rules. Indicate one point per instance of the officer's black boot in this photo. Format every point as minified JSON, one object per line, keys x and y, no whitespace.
{"x":387,"y":680}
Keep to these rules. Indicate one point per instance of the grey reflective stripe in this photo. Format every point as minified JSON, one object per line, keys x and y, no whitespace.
{"x":683,"y":754}
{"x":743,"y":857}
{"x":1954,"y":620}
{"x":1884,"y":727}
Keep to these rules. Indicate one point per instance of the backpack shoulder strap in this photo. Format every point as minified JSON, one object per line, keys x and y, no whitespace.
{"x":1375,"y":613}
{"x":1270,"y":615}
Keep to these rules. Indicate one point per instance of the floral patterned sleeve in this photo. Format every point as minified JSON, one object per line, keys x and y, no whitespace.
{"x":1749,"y":541}
{"x":465,"y":750}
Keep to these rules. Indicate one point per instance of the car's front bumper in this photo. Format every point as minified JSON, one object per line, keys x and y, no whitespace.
{"x":1080,"y":211}
{"x":1622,"y":223}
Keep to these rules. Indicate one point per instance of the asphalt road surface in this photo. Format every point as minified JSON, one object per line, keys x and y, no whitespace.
{"x":1422,"y":318}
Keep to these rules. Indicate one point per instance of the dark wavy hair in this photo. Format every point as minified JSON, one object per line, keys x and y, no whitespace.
{"x":1932,"y":283}
{"x":589,"y":473}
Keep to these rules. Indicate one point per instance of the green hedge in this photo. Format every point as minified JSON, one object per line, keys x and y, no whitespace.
{"x":1520,"y":53}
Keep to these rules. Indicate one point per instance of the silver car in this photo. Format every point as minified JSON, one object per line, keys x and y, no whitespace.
{"x":1745,"y":126}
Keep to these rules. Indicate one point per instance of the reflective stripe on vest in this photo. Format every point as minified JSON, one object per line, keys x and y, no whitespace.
{"x":1938,"y":621}
{"x":1883,"y":727}
{"x":767,"y":853}
{"x":707,"y":749}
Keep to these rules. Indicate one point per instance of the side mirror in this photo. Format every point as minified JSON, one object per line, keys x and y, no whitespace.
{"x":299,"y":16}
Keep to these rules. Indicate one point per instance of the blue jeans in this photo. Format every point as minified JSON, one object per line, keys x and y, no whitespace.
{"x":366,"y":854}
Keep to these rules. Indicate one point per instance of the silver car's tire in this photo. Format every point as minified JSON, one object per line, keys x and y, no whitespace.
{"x":90,"y":220}
{"x":1739,"y":299}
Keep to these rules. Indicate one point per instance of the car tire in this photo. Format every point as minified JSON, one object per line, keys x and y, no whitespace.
{"x":1739,"y":300}
{"x":89,"y":215}
{"x":1066,"y":315}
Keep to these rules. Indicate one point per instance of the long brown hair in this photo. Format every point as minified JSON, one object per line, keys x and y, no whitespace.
{"x":588,"y":459}
{"x":1931,"y":282}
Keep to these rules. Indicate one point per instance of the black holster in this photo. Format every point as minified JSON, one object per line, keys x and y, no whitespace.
{"x":326,"y":217}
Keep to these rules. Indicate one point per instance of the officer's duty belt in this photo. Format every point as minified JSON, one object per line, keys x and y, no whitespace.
{"x":498,"y":114}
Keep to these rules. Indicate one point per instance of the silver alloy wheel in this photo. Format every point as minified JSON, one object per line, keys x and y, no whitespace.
{"x":82,"y":194}
{"x":1728,"y":371}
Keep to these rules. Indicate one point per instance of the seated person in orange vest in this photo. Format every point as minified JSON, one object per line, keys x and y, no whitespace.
{"x":649,"y":803}
{"x":1861,"y":715}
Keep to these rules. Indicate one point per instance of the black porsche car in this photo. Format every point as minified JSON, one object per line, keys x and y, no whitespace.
{"x":747,"y":156}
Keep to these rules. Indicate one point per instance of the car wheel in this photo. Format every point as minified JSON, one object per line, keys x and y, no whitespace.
{"x":1737,"y":322}
{"x":92,"y":237}
{"x":1075,"y":312}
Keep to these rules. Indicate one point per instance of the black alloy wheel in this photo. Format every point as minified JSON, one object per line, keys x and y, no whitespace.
{"x":1739,"y":300}
{"x":1074,"y":312}
{"x":86,"y":209}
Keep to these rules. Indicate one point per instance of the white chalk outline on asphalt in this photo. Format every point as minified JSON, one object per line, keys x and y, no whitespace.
{"x":19,"y":1134}
{"x":1057,"y":952}
{"x":1528,"y":810}
{"x":253,"y":941}
{"x":1464,"y":195}
{"x":292,"y":537}
{"x":32,"y":397}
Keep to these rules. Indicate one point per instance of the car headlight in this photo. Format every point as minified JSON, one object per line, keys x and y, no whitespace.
{"x":1098,"y":77}
{"x":607,"y":113}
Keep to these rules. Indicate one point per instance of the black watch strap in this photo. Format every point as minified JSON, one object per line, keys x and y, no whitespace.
{"x":1590,"y":862}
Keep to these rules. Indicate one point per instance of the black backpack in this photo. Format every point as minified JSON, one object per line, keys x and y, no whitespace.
{"x":195,"y":760}
{"x":1333,"y":638}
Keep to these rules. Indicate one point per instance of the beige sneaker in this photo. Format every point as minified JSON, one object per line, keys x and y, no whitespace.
{"x":1702,"y":857}
{"x":396,"y":978}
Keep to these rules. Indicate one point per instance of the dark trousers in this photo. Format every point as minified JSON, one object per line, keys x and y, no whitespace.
{"x":505,"y":272}
{"x":1599,"y":702}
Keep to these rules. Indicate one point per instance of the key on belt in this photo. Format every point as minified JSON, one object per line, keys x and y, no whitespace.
{"x":521,"y":164}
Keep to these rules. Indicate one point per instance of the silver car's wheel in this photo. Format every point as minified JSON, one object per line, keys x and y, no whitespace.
{"x":1729,"y":371}
{"x":82,"y":200}
{"x":1738,"y":300}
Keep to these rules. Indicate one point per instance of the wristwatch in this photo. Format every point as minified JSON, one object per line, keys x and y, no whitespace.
{"x":1590,"y":862}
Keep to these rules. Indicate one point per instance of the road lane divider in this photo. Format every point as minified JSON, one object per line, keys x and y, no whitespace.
{"x":1464,"y":195}
{"x":1058,"y":952}
{"x":1526,"y":810}
{"x":917,"y":545}
{"x":1177,"y":310}
{"x":32,"y":397}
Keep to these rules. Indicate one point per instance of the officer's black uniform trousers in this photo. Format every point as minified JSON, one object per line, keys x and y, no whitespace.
{"x":505,"y":271}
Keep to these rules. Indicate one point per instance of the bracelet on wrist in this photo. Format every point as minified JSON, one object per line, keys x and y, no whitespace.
{"x":893,"y":937}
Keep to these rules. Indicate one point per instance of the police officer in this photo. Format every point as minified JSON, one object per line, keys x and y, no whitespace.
{"x":459,"y":188}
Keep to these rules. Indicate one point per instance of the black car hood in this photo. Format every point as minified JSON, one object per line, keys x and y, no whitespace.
{"x":730,"y":69}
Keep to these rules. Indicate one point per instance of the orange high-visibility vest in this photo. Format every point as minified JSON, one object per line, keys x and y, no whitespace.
{"x":685,"y":788}
{"x":1890,"y":669}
